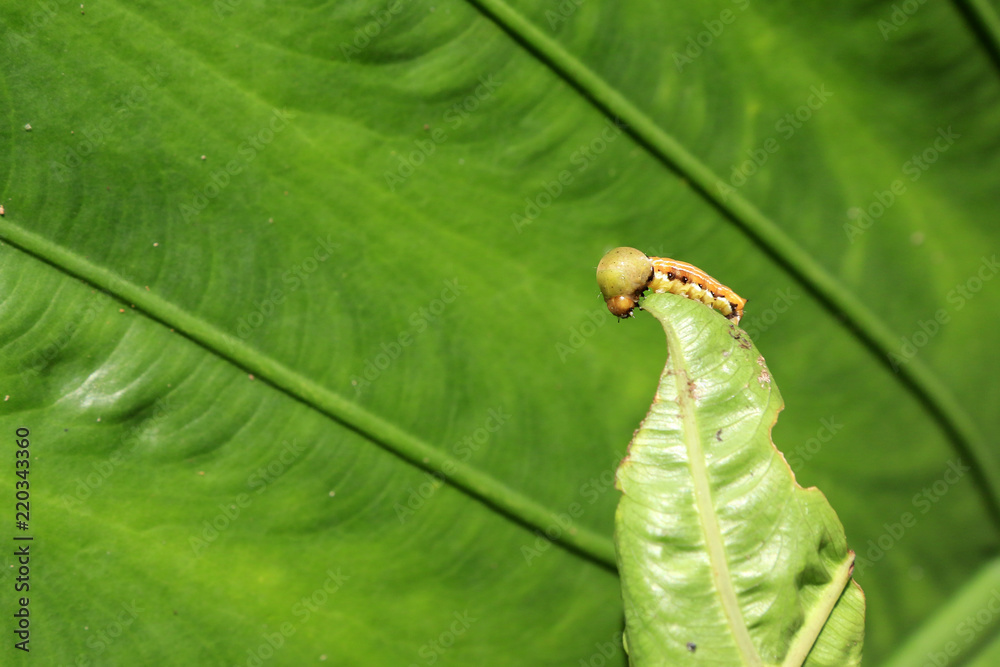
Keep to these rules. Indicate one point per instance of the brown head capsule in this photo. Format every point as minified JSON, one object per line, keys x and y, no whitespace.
{"x":621,"y":306}
{"x":623,"y":275}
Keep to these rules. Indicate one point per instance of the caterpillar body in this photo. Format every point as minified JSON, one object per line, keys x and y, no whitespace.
{"x":625,"y":273}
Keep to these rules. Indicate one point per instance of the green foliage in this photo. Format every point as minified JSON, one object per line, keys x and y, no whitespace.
{"x":389,"y":214}
{"x":724,"y":559}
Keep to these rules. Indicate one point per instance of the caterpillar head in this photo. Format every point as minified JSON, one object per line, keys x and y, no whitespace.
{"x":623,"y":275}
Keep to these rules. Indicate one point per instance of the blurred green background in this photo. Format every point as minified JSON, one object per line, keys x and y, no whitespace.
{"x":256,"y":253}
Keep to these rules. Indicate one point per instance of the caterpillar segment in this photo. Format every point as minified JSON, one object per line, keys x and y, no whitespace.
{"x":671,"y":275}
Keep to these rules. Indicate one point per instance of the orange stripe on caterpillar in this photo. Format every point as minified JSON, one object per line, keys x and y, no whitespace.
{"x":670,"y":275}
{"x":625,"y":273}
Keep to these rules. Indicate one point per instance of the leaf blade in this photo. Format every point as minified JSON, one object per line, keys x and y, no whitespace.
{"x":752,"y":579}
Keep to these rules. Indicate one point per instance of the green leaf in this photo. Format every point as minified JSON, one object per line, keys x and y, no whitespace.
{"x":724,"y":558}
{"x":407,"y":268}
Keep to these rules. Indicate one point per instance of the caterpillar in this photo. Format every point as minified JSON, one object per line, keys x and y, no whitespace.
{"x":625,"y":273}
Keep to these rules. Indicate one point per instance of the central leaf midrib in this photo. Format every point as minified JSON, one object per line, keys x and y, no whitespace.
{"x":714,"y":541}
{"x":861,"y":322}
{"x":476,"y":483}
